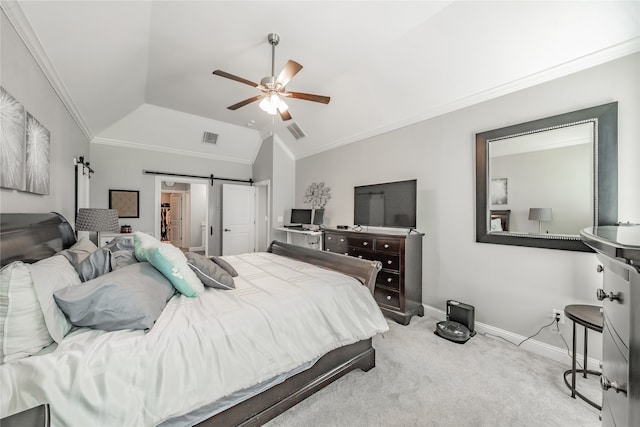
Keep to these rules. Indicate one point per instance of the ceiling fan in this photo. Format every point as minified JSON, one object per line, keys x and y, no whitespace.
{"x":274,"y":89}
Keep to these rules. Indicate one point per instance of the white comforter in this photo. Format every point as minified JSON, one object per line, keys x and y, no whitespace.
{"x":282,"y":314}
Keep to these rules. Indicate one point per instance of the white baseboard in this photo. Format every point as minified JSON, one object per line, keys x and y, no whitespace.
{"x":196,"y":249}
{"x":559,"y":354}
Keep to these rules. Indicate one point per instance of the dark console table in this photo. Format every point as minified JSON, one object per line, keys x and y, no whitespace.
{"x":618,"y":250}
{"x":398,"y":289}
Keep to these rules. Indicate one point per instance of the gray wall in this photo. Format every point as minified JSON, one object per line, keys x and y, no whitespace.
{"x":122,"y":169}
{"x":513,"y":288}
{"x":274,"y":163}
{"x":539,"y":179}
{"x":24,"y":80}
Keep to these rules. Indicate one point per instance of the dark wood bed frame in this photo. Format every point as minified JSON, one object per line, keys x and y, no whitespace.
{"x":31,"y":237}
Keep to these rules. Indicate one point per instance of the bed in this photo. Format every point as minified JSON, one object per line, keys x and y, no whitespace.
{"x":204,"y":361}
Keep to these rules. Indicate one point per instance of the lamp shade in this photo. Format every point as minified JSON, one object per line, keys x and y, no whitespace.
{"x":540,"y":214}
{"x":90,"y":219}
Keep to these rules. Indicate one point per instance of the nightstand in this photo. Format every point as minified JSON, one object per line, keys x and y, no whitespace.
{"x":107,"y":237}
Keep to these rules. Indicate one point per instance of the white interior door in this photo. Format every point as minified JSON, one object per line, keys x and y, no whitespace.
{"x":238,"y":219}
{"x":175,"y":230}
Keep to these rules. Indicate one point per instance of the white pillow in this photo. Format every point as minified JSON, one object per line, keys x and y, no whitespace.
{"x":142,"y":244}
{"x":49,"y":275}
{"x":23,"y":331}
{"x":168,"y":260}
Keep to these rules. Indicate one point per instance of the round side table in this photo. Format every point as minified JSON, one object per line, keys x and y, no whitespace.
{"x":590,"y":317}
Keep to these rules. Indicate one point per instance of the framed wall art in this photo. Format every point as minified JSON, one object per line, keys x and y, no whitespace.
{"x":126,"y":202}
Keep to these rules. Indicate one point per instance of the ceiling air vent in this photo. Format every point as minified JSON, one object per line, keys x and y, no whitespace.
{"x":296,"y":131}
{"x":210,"y":137}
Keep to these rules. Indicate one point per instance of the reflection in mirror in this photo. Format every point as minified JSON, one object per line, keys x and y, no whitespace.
{"x":539,"y":183}
{"x":545,"y":180}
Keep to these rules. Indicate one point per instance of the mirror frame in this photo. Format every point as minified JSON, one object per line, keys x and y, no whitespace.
{"x":605,"y":179}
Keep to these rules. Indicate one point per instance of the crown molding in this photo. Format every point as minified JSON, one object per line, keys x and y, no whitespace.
{"x":167,"y":150}
{"x":602,"y":56}
{"x":20,"y":23}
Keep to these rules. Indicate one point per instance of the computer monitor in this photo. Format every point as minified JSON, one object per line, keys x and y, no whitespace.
{"x":318,"y":216}
{"x":301,"y":216}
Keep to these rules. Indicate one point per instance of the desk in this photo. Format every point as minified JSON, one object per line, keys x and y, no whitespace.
{"x":315,"y":243}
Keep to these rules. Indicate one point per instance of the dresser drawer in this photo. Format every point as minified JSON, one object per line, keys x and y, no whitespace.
{"x":387,"y":297}
{"x":388,"y":279}
{"x":360,"y":242}
{"x":616,"y":281}
{"x":615,"y":368}
{"x":335,"y":243}
{"x":388,"y":245}
{"x":391,"y":262}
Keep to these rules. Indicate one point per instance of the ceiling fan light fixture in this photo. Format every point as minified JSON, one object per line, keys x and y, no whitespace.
{"x":272,"y":103}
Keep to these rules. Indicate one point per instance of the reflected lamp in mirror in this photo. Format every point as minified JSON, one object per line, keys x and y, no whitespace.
{"x":99,"y":220}
{"x":540,"y":214}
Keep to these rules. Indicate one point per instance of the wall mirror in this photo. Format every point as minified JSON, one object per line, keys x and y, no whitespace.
{"x":539,"y":183}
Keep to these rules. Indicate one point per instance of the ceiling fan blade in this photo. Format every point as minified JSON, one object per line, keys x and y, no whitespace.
{"x":236,"y":78}
{"x":308,"y":97}
{"x":284,"y":115}
{"x":245,"y":102}
{"x":287,"y":73}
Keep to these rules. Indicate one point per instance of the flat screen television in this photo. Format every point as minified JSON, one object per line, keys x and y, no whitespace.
{"x":391,"y":204}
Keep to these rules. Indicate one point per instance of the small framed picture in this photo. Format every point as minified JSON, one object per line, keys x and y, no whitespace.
{"x":499,"y":193}
{"x":126,"y":202}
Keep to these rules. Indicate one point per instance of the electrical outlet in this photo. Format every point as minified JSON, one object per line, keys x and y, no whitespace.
{"x":555,"y":312}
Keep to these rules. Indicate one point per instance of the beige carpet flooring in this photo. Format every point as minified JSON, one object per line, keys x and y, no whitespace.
{"x":421,"y":379}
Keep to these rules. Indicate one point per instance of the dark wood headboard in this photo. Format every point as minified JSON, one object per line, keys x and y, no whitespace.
{"x":30,"y":237}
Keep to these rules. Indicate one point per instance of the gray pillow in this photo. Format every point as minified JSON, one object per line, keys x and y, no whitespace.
{"x":120,"y":243}
{"x":209,"y":273}
{"x":224,"y":264}
{"x":123,"y":258}
{"x":95,"y":265}
{"x":131,"y":297}
{"x":79,"y":251}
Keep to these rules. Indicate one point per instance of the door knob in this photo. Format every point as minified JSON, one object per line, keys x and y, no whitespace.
{"x":226,"y":229}
{"x":602,"y":295}
{"x":606,"y":385}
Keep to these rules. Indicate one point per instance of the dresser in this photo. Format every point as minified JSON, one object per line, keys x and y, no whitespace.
{"x":618,"y":250}
{"x":398,"y":289}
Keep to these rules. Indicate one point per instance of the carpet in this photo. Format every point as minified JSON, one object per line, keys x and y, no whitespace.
{"x":421,"y":379}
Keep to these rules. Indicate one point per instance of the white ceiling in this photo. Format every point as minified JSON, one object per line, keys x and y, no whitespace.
{"x":139,"y":72}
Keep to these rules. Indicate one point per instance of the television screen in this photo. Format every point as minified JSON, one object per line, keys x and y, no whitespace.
{"x":318,"y":216}
{"x":300,"y":216}
{"x":391,"y":204}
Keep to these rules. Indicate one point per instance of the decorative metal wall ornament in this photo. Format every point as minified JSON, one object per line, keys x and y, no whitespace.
{"x":24,"y":148}
{"x":317,"y":195}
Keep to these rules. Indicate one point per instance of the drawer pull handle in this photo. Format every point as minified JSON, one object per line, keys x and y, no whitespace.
{"x":389,"y":280}
{"x":606,"y":385}
{"x":389,"y":297}
{"x":602,"y":295}
{"x":342,"y":240}
{"x":360,"y":256}
{"x":599,"y":268}
{"x":386,"y":246}
{"x":389,"y":262}
{"x":365,"y":243}
{"x":329,"y":237}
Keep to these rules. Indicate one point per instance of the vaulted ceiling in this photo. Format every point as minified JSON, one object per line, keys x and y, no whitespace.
{"x":139,"y":73}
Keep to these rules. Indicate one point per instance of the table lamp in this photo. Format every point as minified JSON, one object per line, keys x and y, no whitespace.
{"x":92,"y":219}
{"x":540,"y":214}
